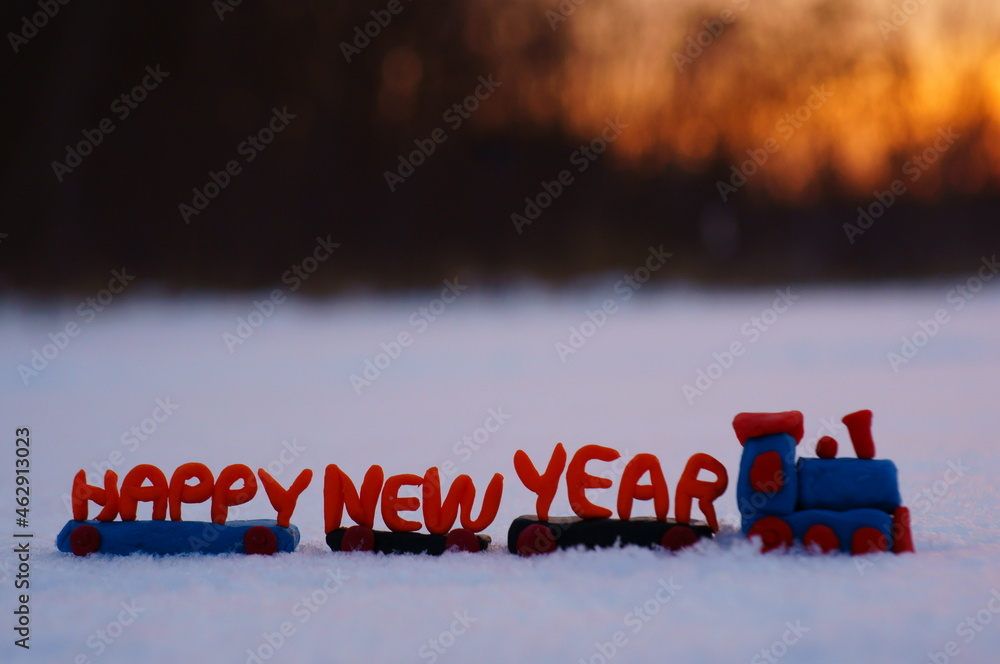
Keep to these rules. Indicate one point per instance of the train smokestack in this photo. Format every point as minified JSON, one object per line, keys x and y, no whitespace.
{"x":859,"y":425}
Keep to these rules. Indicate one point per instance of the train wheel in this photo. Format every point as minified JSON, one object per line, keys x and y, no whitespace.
{"x":260,"y":540}
{"x":84,"y":540}
{"x":358,"y":538}
{"x":461,"y":539}
{"x":536,"y":539}
{"x":774,"y":533}
{"x":678,"y":537}
{"x":821,"y":537}
{"x":868,"y":540}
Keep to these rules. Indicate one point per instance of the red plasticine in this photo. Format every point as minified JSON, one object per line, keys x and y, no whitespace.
{"x":491,"y":503}
{"x":902,"y":537}
{"x":536,"y":539}
{"x":133,"y":492}
{"x":358,"y":538}
{"x":578,"y":480}
{"x":225,"y":496}
{"x":283,"y":501}
{"x":774,"y":533}
{"x":689,"y":486}
{"x":751,"y":425}
{"x":339,"y":490}
{"x":84,"y":539}
{"x":868,"y":540}
{"x":859,"y":425}
{"x":821,"y":537}
{"x":678,"y":537}
{"x":182,"y":492}
{"x":631,"y":490}
{"x":392,"y":504}
{"x":766,"y":475}
{"x":107,"y":497}
{"x":260,"y":540}
{"x":826,"y":448}
{"x":462,"y":539}
{"x":545,"y":485}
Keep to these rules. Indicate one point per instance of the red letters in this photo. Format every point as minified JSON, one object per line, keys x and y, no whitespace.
{"x":546,"y":484}
{"x":133,"y":492}
{"x":107,"y":497}
{"x":578,"y":481}
{"x":182,"y":492}
{"x":283,"y":501}
{"x":225,"y":496}
{"x":339,"y":490}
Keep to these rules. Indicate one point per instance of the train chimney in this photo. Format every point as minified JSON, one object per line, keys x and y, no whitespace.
{"x":859,"y":425}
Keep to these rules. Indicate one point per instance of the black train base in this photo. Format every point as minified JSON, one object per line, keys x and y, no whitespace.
{"x":528,"y":536}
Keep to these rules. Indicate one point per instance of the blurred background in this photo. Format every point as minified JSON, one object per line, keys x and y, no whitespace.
{"x":751,"y":137}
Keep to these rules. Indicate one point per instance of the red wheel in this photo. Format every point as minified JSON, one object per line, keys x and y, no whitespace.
{"x":821,"y":537}
{"x":535,"y":539}
{"x":678,"y":537}
{"x":461,"y":539}
{"x":358,"y":538}
{"x":260,"y":539}
{"x":774,"y":533}
{"x":84,"y":540}
{"x":868,"y":540}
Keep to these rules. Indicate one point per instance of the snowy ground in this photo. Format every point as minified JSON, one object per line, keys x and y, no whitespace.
{"x":284,"y":400}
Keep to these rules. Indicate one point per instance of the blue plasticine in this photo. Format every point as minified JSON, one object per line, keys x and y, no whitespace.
{"x":844,"y":524}
{"x":174,"y":537}
{"x":751,"y":502}
{"x":846,"y":484}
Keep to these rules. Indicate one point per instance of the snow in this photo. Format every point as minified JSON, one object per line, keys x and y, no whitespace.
{"x":284,"y":400}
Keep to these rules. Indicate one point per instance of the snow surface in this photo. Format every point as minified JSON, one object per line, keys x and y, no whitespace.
{"x":290,"y":383}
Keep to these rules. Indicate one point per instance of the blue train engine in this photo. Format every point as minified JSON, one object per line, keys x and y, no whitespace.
{"x":848,"y":504}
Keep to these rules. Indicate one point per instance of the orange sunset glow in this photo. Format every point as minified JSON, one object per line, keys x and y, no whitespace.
{"x":849,"y":91}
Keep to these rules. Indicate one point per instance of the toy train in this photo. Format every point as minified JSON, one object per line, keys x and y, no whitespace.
{"x":850,"y":505}
{"x":826,"y":504}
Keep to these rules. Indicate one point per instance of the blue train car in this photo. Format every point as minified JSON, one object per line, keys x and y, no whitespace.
{"x":851,"y":505}
{"x":263,"y":536}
